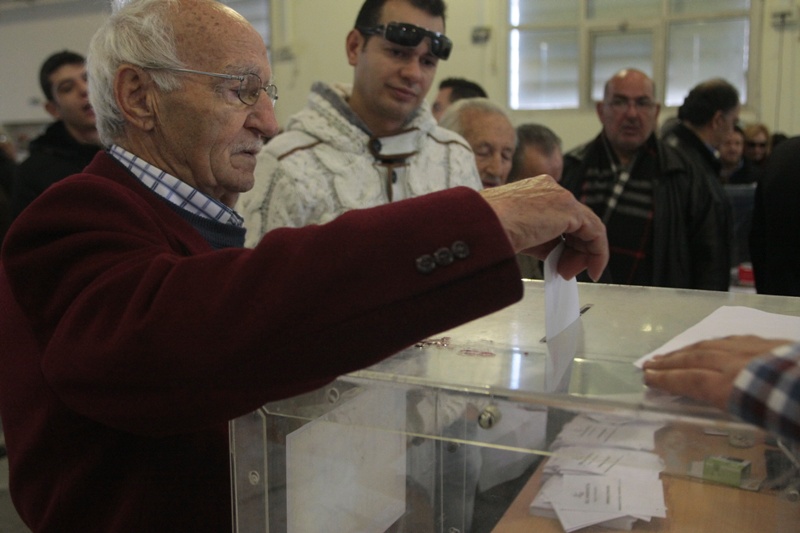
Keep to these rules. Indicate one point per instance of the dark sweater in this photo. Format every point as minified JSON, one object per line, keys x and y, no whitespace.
{"x":127,"y":342}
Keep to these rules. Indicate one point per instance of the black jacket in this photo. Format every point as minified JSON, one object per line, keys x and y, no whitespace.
{"x":775,"y":237}
{"x":700,"y":155}
{"x":690,"y":248}
{"x":53,"y":156}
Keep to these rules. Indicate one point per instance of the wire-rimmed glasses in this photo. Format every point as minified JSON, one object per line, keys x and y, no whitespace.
{"x":250,"y":85}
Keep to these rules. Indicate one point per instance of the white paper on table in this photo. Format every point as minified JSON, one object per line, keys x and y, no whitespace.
{"x":561,"y":302}
{"x":606,"y":461}
{"x":633,"y":495}
{"x":732,"y":320}
{"x":583,"y":431}
{"x":587,"y":500}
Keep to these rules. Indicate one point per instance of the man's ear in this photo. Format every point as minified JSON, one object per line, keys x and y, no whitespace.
{"x":353,"y":45}
{"x":598,"y":108}
{"x":52,"y":108}
{"x":134,"y":92}
{"x":718,"y":120}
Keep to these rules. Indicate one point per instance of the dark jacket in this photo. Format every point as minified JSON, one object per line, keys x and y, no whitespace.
{"x":775,"y":239}
{"x":53,"y":156}
{"x":115,"y":403}
{"x":707,"y":163}
{"x":690,"y":248}
{"x":8,"y":169}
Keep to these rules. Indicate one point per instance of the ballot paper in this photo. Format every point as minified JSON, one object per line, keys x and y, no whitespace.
{"x":614,"y":462}
{"x":608,"y":432}
{"x":560,"y":296}
{"x":563,"y":330}
{"x":580,"y":501}
{"x":732,"y":320}
{"x":602,"y":471}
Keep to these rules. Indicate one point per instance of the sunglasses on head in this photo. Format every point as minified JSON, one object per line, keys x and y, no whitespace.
{"x":406,"y":34}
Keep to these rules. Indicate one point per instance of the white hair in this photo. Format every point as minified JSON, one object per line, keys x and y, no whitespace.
{"x":138,"y":32}
{"x":451,"y":119}
{"x":453,"y":116}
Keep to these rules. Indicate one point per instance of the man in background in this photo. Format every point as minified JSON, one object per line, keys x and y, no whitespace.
{"x":369,"y":143}
{"x":490,"y":134}
{"x":69,"y":143}
{"x":660,"y":215}
{"x":538,"y":152}
{"x":774,"y":239}
{"x":452,"y":90}
{"x":708,"y":115}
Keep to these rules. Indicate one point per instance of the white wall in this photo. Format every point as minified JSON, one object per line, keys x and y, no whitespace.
{"x":312,"y":33}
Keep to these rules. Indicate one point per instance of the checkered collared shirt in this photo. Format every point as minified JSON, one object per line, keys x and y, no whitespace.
{"x":174,"y":190}
{"x":767,"y":392}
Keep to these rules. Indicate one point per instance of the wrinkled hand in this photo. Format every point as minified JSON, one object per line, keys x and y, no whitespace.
{"x":706,"y":370}
{"x":536,"y":212}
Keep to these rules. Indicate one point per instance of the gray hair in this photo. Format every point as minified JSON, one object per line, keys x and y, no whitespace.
{"x":138,"y":32}
{"x":451,"y":119}
{"x":538,"y":135}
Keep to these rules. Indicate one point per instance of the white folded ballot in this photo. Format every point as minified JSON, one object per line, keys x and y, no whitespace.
{"x":596,"y":477}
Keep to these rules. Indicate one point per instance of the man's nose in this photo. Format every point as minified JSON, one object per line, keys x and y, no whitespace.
{"x":263,"y":119}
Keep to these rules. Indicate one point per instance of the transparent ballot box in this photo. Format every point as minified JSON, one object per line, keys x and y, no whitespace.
{"x":493,"y":427}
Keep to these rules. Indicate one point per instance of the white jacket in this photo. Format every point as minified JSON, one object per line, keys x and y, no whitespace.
{"x":326,"y":163}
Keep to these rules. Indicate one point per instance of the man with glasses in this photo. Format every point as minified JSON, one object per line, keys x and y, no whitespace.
{"x":135,"y":325}
{"x":369,"y":143}
{"x":660,"y":214}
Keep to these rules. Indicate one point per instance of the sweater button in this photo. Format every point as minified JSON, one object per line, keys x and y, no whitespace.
{"x":443,"y":257}
{"x":460,"y":249}
{"x":426,"y":264}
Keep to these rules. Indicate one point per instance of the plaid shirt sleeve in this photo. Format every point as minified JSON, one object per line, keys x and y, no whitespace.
{"x":767,"y":392}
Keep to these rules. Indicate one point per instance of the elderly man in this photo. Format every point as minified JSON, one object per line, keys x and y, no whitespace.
{"x":369,"y":143}
{"x":134,"y":326}
{"x":660,"y":215}
{"x":490,"y":134}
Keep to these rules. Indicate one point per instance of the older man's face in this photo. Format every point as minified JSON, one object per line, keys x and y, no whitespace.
{"x":210,"y":139}
{"x":628,"y":111}
{"x":493,"y":139}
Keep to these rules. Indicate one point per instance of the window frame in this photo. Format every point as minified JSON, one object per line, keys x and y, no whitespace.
{"x":588,"y":29}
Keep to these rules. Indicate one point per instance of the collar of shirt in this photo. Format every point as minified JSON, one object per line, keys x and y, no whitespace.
{"x":174,"y":190}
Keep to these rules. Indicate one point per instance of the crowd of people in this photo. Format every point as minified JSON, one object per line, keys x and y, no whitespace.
{"x":157,"y":245}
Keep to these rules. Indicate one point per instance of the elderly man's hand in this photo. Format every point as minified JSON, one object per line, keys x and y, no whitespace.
{"x":537,"y":212}
{"x":707,"y":370}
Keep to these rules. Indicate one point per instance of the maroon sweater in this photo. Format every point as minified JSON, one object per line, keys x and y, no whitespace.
{"x":127,"y":343}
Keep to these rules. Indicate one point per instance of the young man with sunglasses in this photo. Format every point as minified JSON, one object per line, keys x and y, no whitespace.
{"x":369,"y":143}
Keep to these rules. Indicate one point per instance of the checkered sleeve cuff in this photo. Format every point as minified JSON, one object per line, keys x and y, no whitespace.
{"x":767,"y":392}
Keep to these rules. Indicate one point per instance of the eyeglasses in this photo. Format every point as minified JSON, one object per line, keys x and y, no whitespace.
{"x":406,"y":34}
{"x":753,"y":144}
{"x":250,"y":86}
{"x":621,"y":104}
